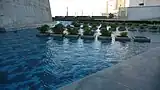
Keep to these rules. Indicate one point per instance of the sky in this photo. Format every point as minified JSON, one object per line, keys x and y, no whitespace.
{"x":76,"y":7}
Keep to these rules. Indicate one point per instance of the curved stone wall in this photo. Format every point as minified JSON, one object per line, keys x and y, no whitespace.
{"x":16,"y":13}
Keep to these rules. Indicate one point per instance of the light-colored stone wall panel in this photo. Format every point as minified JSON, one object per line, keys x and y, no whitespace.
{"x":14,"y":13}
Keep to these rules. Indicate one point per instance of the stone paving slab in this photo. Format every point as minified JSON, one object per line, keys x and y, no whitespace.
{"x":141,"y":72}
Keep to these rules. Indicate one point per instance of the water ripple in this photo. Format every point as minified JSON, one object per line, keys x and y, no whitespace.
{"x":49,"y":63}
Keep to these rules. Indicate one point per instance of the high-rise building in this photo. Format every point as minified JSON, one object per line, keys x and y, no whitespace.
{"x":120,"y":3}
{"x":107,"y":7}
{"x":111,"y":6}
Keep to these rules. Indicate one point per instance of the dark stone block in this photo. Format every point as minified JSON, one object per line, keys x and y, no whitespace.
{"x":132,"y":29}
{"x":2,"y":30}
{"x":42,"y":35}
{"x":142,"y":30}
{"x":141,"y":39}
{"x":88,"y":37}
{"x":72,"y":36}
{"x":104,"y":38}
{"x":123,"y":39}
{"x":152,"y":30}
{"x":57,"y":35}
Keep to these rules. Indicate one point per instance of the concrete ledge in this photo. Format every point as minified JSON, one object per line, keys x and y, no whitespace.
{"x":104,"y":38}
{"x":42,"y":35}
{"x":2,"y":30}
{"x":56,"y":35}
{"x":72,"y":36}
{"x":88,"y":37}
{"x":123,"y":39}
{"x":141,"y":39}
{"x":138,"y":73}
{"x":142,"y":30}
{"x":132,"y":30}
{"x":153,"y":30}
{"x":48,"y":35}
{"x":67,"y":36}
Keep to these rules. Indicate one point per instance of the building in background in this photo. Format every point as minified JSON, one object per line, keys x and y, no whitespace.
{"x":152,"y":2}
{"x":120,"y":3}
{"x":133,"y":3}
{"x":107,"y":9}
{"x":112,"y":6}
{"x":140,"y":10}
{"x":133,"y":9}
{"x":19,"y":13}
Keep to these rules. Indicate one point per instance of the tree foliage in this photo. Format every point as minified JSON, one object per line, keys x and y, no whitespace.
{"x":123,"y":34}
{"x":111,"y":16}
{"x":105,"y":32}
{"x":58,"y":29}
{"x":43,"y":28}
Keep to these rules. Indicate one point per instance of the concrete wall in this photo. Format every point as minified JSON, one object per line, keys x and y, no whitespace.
{"x":152,"y":2}
{"x":134,"y":2}
{"x":139,"y":13}
{"x":143,"y":13}
{"x":17,"y":13}
{"x":146,"y":2}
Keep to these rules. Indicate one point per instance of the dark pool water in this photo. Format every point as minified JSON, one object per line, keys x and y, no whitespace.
{"x":31,"y":62}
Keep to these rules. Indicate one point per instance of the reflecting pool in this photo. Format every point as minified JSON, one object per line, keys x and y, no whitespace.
{"x":31,"y":62}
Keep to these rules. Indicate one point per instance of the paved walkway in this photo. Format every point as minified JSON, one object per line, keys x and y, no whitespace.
{"x":141,"y":72}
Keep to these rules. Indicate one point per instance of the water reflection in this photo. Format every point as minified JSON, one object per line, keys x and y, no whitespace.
{"x":66,"y":43}
{"x":80,"y":43}
{"x":97,"y":44}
